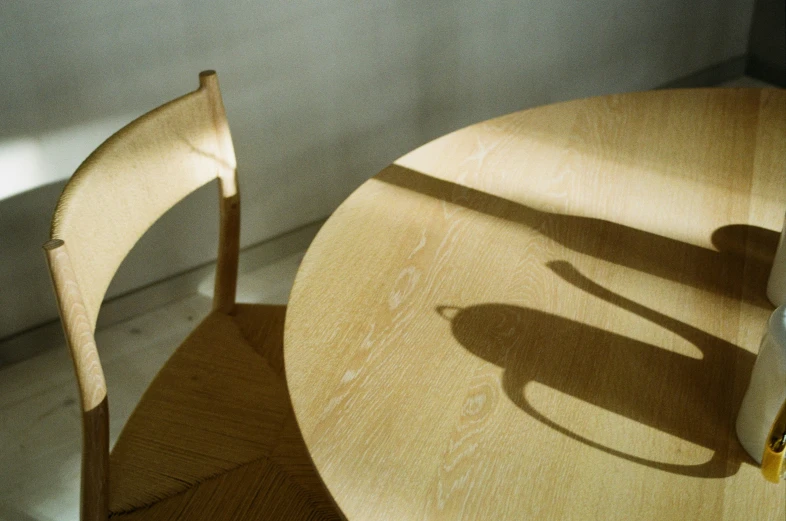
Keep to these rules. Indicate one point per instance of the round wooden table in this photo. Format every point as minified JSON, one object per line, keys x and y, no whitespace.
{"x":549,"y":315}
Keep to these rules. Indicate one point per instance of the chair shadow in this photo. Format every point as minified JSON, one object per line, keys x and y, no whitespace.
{"x":739,"y":270}
{"x":692,"y":399}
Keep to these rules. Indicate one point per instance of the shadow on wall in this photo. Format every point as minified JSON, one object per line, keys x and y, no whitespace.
{"x":25,"y":225}
{"x":7,"y":512}
{"x":692,"y":399}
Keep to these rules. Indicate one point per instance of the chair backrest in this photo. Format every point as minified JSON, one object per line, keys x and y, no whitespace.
{"x":112,"y":199}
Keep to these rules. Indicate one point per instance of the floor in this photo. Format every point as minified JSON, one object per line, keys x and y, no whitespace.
{"x":40,"y":429}
{"x":39,"y":412}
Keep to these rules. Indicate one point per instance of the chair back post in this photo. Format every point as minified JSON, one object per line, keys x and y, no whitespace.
{"x":229,"y":200}
{"x":117,"y":193}
{"x":78,"y":330}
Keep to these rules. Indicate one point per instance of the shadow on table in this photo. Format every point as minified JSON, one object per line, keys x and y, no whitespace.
{"x":688,"y":398}
{"x":694,"y":400}
{"x":730,"y":272}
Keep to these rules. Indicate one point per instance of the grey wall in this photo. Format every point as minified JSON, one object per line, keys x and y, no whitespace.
{"x":320,"y":95}
{"x":767,"y":46}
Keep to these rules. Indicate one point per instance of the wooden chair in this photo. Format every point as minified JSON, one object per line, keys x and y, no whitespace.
{"x":214,"y":436}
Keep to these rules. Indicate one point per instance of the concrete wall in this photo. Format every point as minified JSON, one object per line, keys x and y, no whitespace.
{"x":320,"y":95}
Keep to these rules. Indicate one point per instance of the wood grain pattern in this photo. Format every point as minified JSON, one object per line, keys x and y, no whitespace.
{"x":135,"y":177}
{"x":549,"y":315}
{"x":90,"y":380}
{"x":214,"y":436}
{"x":77,"y":326}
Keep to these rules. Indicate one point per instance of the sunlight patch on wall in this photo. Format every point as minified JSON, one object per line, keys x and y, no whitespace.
{"x":21,"y":166}
{"x":27,"y":163}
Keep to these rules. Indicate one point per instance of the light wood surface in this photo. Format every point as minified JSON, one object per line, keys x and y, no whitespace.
{"x":549,"y":315}
{"x":129,"y":182}
{"x":214,"y":436}
{"x":120,"y":191}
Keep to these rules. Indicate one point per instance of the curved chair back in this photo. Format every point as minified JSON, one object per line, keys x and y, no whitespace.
{"x":112,"y":199}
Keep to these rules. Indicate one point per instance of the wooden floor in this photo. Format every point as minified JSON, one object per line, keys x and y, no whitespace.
{"x":39,"y":409}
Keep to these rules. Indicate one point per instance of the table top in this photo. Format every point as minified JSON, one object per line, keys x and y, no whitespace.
{"x":549,"y":315}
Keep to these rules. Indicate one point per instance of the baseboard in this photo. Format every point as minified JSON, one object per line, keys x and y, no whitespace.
{"x":124,"y":307}
{"x":713,"y":75}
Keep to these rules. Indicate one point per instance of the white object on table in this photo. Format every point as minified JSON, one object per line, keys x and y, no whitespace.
{"x":776,"y":286}
{"x":767,"y":388}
